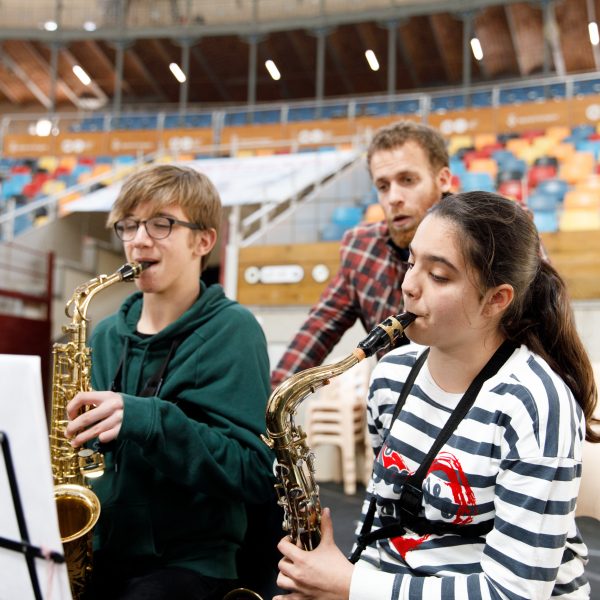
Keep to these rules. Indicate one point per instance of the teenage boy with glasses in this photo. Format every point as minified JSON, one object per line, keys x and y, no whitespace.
{"x":182,"y":378}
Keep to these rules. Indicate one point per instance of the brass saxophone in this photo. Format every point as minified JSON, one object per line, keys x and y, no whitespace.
{"x":78,"y":508}
{"x":297,"y":490}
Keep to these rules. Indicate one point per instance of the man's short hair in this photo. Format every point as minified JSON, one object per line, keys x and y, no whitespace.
{"x":397,"y":134}
{"x":165,"y":185}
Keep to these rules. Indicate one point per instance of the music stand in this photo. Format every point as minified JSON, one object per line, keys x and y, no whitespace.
{"x":28,"y":521}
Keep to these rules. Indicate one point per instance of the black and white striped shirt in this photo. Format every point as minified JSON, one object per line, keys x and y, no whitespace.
{"x":515,"y":459}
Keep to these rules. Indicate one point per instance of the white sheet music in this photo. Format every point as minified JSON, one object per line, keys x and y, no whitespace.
{"x":23,"y":420}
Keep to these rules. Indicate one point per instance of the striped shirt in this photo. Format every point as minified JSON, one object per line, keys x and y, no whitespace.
{"x":366,"y":287}
{"x":514,"y":459}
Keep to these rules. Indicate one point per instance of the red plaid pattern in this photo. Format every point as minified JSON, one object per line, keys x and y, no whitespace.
{"x":366,"y":287}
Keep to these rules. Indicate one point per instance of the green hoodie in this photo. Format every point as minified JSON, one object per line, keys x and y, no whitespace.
{"x":185,"y":461}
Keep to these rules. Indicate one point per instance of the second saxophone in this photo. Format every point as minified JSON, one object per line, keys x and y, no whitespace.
{"x":296,"y":488}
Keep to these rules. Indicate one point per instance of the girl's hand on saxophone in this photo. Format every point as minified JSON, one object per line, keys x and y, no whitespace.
{"x":102,"y":419}
{"x":320,"y":574}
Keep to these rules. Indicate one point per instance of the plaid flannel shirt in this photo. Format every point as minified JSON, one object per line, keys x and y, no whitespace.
{"x":366,"y":287}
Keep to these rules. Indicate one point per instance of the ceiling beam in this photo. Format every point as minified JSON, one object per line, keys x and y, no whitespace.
{"x":336,"y":53}
{"x":134,"y":57}
{"x":512,"y":30}
{"x":198,"y":56}
{"x":11,"y":65}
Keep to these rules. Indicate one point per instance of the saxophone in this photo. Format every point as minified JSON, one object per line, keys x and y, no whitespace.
{"x":78,"y":508}
{"x":297,"y":490}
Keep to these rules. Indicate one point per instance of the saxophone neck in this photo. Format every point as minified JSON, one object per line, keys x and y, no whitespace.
{"x":285,"y":399}
{"x":77,"y":307}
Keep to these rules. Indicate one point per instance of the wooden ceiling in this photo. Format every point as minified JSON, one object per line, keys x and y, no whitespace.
{"x":516,"y":40}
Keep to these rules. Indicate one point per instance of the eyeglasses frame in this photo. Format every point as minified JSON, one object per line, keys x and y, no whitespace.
{"x":172,"y":221}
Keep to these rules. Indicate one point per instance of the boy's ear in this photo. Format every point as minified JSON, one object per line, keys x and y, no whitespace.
{"x":205,"y":241}
{"x":498,"y":299}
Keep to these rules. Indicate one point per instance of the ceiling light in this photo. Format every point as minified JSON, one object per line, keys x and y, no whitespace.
{"x":594,"y":36}
{"x":50,"y":25}
{"x":273,"y":70}
{"x":89,"y":26}
{"x":372,"y":60}
{"x":177,"y":72}
{"x":43,"y":127}
{"x":82,"y":75}
{"x":477,"y":49}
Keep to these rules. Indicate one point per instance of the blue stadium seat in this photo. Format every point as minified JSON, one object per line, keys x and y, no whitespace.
{"x":332,"y":232}
{"x":584,"y":88}
{"x":406,"y":107}
{"x":267,"y":116}
{"x":302,"y":113}
{"x":592,"y":146}
{"x":513,"y":95}
{"x":546,"y":221}
{"x":373,"y":109}
{"x":542,"y":202}
{"x":473,"y":181}
{"x":448,"y":103}
{"x":581,"y":132}
{"x":237,"y":118}
{"x":347,"y":216}
{"x":481,"y":99}
{"x":553,"y":187}
{"x":335,"y":111}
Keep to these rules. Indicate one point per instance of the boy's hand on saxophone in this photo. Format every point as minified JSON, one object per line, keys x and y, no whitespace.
{"x":94,"y":415}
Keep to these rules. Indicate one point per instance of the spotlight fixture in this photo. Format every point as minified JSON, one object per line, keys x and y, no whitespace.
{"x":372,"y":60}
{"x":273,"y":70}
{"x":177,"y":72}
{"x":476,"y":48}
{"x":594,"y":35}
{"x":82,"y":75}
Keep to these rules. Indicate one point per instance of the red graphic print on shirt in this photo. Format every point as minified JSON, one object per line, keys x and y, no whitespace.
{"x":456,"y":483}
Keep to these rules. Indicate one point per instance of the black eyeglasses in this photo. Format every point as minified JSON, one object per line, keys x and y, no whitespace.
{"x":158,"y":228}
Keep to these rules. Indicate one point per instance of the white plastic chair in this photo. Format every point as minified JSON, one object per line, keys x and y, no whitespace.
{"x":337,"y":416}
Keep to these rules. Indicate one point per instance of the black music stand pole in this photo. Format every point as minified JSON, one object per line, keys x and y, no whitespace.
{"x":23,"y":545}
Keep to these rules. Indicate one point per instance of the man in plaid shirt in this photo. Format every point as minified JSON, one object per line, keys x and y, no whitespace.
{"x":408,"y":163}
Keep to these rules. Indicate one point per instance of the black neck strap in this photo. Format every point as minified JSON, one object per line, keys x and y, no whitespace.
{"x":155,"y":381}
{"x":411,"y":496}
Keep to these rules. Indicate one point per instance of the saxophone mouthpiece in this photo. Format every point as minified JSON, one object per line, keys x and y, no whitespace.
{"x":386,"y":333}
{"x":132,"y":270}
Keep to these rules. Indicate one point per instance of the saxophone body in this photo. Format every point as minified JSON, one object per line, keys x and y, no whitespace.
{"x":78,"y":508}
{"x":297,"y":490}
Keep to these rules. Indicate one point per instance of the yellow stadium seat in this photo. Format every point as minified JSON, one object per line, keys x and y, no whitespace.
{"x":562,"y":151}
{"x":543,"y":144}
{"x":579,"y":220}
{"x":53,"y":186}
{"x":577,"y":167}
{"x":457,"y":142}
{"x":374,"y":213}
{"x":591,"y":182}
{"x":582,"y":199}
{"x":481,"y":140}
{"x":68,"y":162}
{"x":101,"y":169}
{"x":484,"y":165}
{"x":558,"y":132}
{"x":63,"y":203}
{"x":517,"y":145}
{"x":49,"y":163}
